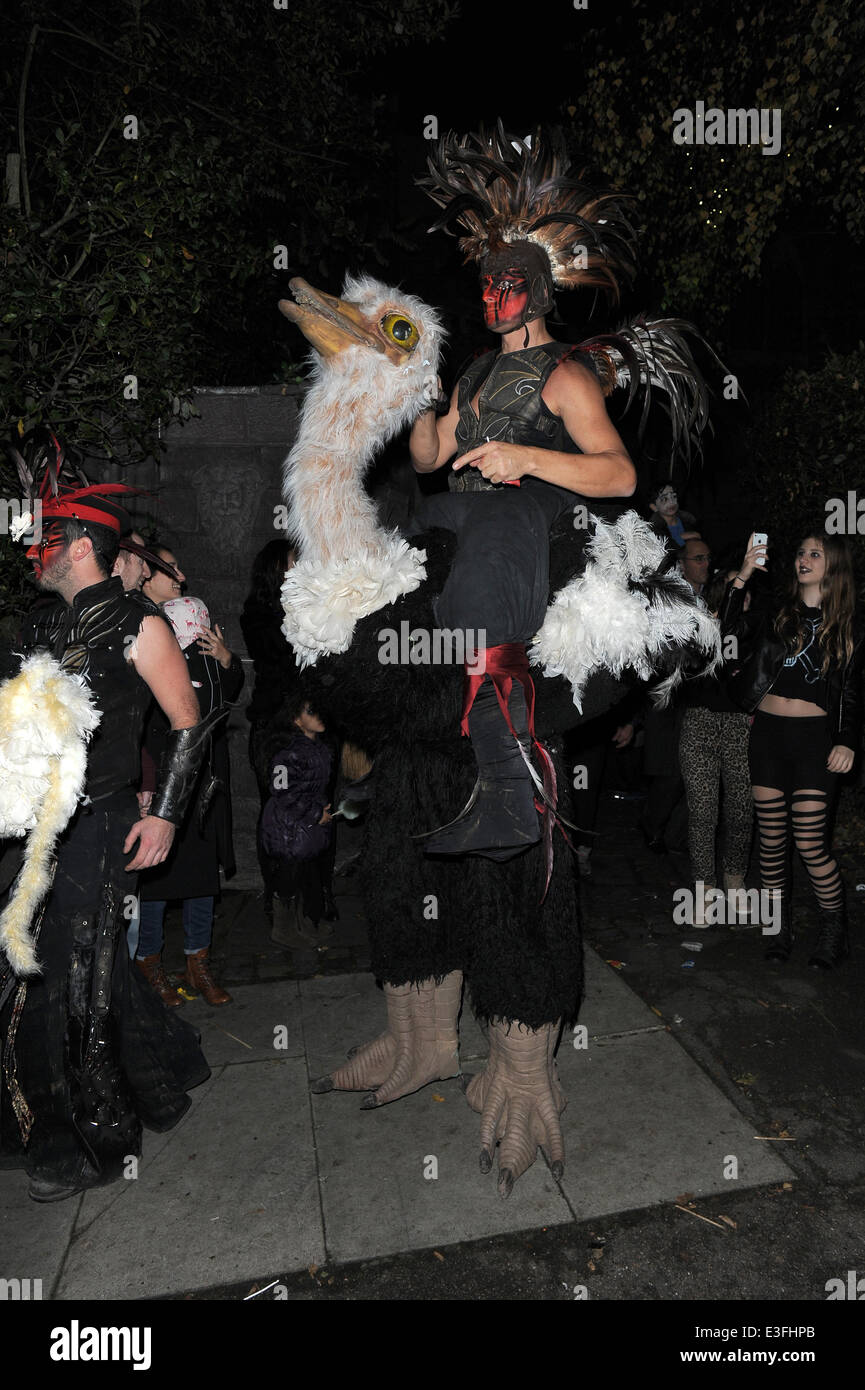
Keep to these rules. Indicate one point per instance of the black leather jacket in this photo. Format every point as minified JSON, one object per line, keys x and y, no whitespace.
{"x":763,"y":657}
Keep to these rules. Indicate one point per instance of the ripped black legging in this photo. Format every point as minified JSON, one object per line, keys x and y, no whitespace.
{"x":793,"y":789}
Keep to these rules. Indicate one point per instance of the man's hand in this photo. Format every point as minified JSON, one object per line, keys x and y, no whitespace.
{"x":840,"y":759}
{"x":623,"y":735}
{"x":499,"y":462}
{"x":155,"y":838}
{"x":432,"y":390}
{"x":326,"y":817}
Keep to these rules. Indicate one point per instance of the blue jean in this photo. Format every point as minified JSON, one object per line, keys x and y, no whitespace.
{"x":197,"y":926}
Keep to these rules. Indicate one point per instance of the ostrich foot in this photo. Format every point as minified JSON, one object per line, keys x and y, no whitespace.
{"x":519,"y":1099}
{"x":369,"y":1065}
{"x":420,"y":1045}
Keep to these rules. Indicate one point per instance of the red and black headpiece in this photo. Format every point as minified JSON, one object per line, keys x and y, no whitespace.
{"x":521,"y":203}
{"x":46,"y":472}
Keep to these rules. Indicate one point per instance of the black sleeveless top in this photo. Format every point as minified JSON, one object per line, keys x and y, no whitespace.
{"x":510,"y":408}
{"x":90,"y":637}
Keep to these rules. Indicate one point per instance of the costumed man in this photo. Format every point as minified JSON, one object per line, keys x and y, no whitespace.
{"x":89,"y":1053}
{"x":509,"y":928}
{"x":532,"y":416}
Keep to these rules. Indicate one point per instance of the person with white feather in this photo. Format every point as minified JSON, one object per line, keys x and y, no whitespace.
{"x":90,"y":1055}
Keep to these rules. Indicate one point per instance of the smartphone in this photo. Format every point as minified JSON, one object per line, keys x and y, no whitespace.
{"x":759,"y":538}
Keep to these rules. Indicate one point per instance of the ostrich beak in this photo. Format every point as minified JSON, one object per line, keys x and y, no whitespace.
{"x":330,"y":324}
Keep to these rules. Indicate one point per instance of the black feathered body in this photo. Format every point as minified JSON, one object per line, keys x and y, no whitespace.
{"x":522,"y":959}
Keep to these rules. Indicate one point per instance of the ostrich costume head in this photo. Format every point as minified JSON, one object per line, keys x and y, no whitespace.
{"x":374,"y":370}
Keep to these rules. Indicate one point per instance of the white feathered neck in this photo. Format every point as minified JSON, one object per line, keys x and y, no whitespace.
{"x":358,"y":400}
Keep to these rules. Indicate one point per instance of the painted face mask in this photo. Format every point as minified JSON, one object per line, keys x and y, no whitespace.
{"x":50,"y":546}
{"x":516,"y":286}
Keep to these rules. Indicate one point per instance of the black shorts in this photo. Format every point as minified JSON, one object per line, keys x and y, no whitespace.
{"x":791,"y":753}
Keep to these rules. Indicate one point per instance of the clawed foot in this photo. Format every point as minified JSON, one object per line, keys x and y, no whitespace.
{"x":519,"y":1099}
{"x":369,"y":1065}
{"x":420,"y":1045}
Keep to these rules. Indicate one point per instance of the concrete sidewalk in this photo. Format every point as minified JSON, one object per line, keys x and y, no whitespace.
{"x":261,"y":1176}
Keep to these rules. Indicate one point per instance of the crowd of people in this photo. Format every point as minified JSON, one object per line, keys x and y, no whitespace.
{"x":774,"y":729}
{"x":95,"y":1046}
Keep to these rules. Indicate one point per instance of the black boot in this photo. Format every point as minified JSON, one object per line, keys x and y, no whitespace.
{"x":501,"y":820}
{"x":832,"y":943}
{"x":782,"y":944}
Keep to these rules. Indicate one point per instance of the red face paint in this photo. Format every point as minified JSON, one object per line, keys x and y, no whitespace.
{"x":505,"y":296}
{"x":43,"y":554}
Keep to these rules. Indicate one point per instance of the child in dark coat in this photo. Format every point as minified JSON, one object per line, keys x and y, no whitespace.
{"x":295,"y":828}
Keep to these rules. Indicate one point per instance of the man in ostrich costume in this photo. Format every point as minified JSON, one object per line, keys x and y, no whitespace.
{"x":486,"y":903}
{"x":89,"y":1052}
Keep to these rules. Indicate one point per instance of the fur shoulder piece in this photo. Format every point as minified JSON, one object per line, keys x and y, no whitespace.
{"x":46,"y":718}
{"x":324,"y":601}
{"x":623,"y":613}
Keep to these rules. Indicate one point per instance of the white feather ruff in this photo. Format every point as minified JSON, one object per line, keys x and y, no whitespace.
{"x":323,"y":602}
{"x":46,"y":719}
{"x":597,"y":622}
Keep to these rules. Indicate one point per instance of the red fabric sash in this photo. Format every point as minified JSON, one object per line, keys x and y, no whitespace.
{"x":504,"y":664}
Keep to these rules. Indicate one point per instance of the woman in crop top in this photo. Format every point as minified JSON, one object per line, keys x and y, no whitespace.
{"x":802,"y":678}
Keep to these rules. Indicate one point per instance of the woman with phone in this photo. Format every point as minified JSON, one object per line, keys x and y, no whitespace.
{"x":802,"y":679}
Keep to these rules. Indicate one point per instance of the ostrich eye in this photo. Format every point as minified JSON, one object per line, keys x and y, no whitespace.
{"x":400,"y":330}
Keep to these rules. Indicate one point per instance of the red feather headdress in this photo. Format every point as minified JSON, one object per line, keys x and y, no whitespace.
{"x":40,"y":469}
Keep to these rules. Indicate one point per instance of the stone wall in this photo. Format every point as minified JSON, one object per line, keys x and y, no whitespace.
{"x":213,"y":495}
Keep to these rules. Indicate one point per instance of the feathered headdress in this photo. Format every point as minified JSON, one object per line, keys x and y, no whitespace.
{"x":503,"y":189}
{"x":43,"y":464}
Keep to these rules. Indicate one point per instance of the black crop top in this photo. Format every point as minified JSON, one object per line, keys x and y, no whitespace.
{"x":800,"y":677}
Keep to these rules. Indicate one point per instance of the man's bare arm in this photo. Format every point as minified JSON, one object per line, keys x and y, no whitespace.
{"x":433,"y":439}
{"x":162,"y":666}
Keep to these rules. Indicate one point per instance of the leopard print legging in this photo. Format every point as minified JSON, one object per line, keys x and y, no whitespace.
{"x":713,"y":747}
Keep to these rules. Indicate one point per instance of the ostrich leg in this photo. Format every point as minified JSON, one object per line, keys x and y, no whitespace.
{"x":519,"y":1099}
{"x":420,"y":1044}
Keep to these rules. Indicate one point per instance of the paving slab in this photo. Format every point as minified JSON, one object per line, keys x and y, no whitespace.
{"x":232,"y":1192}
{"x":246,"y":1029}
{"x":644,"y":1124}
{"x":406,"y":1177}
{"x":259,"y":1175}
{"x":610,"y":1006}
{"x":33,"y":1235}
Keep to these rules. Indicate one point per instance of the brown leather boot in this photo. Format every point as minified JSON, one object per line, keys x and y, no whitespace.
{"x":198,"y":977}
{"x":151,"y":969}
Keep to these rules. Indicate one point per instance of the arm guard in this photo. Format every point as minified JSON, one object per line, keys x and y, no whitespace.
{"x":185,"y":752}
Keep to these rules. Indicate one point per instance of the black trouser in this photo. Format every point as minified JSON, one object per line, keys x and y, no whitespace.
{"x":499,"y":582}
{"x":98,"y":1054}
